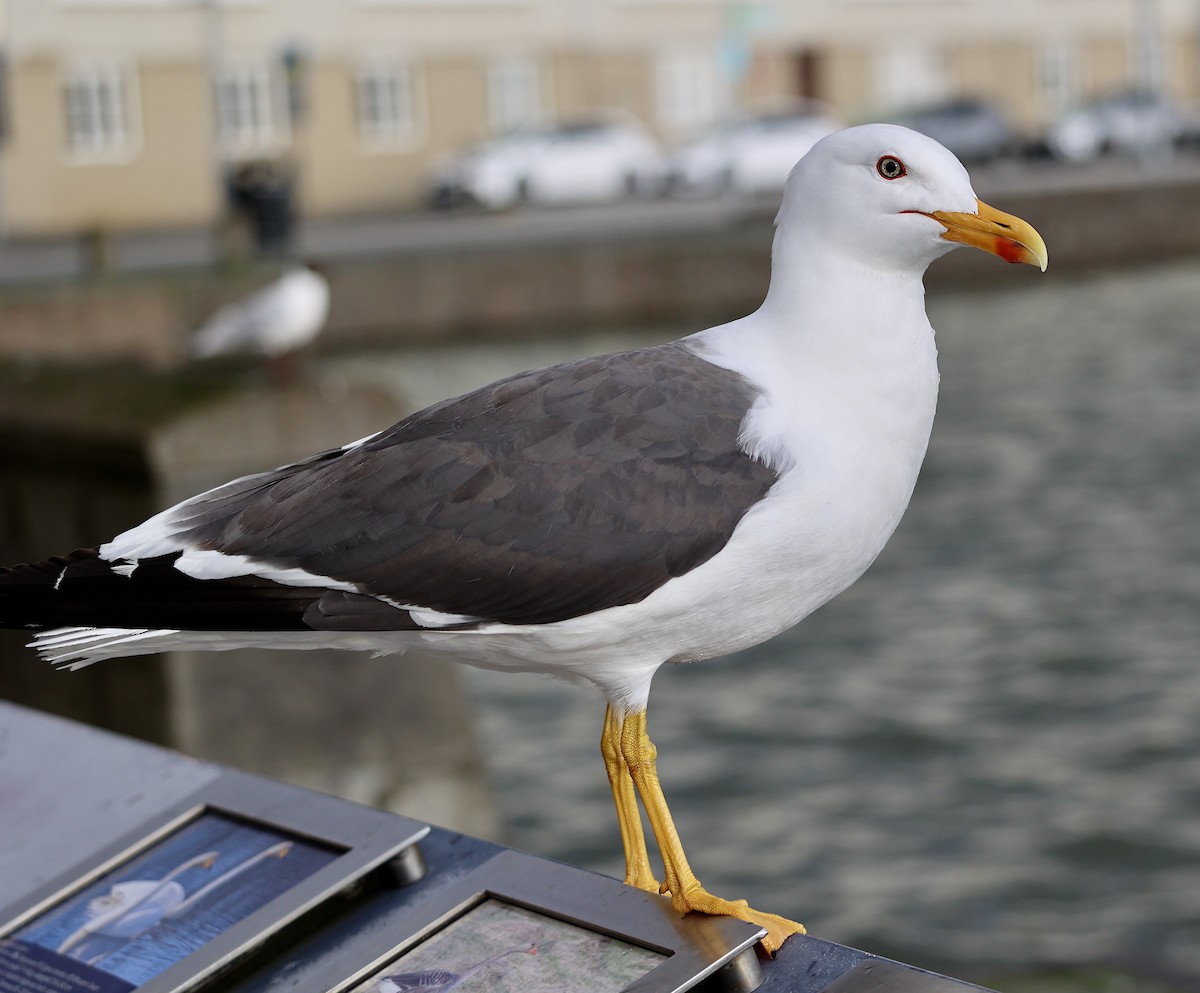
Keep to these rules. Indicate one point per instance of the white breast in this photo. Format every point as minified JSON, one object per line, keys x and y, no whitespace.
{"x":846,"y":417}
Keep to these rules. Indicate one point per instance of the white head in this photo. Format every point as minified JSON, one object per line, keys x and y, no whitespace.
{"x":893,"y":200}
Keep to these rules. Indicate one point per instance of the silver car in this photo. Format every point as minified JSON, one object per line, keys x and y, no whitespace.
{"x":748,"y":155}
{"x":1127,"y":121}
{"x":585,"y":161}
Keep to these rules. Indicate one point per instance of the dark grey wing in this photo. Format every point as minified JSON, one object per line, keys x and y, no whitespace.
{"x":544,"y":496}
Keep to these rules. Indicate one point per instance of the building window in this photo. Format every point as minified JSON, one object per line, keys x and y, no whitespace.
{"x":251,"y":111}
{"x":98,"y":112}
{"x":689,"y":90}
{"x":1056,"y":75}
{"x":908,"y":75}
{"x":116,"y":4}
{"x":513,"y":93}
{"x":386,"y":100}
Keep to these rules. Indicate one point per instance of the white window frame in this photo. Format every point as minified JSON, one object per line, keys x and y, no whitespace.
{"x":436,"y":4}
{"x":910,"y":74}
{"x":1056,"y":74}
{"x":514,"y":92}
{"x":116,"y":4}
{"x":688,"y":87}
{"x":101,"y":113}
{"x":259,"y":94}
{"x":389,"y":103}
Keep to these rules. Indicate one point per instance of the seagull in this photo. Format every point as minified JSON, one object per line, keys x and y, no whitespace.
{"x":281,"y":317}
{"x":597,"y":519}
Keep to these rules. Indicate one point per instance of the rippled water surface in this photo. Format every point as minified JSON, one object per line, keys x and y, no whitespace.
{"x":986,"y":754}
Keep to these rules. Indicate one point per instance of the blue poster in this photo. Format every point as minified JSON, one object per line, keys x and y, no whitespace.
{"x":140,"y":919}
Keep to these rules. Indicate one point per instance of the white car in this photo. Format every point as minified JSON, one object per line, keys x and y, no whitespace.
{"x":749,"y":155}
{"x":589,"y":161}
{"x":1127,"y":121}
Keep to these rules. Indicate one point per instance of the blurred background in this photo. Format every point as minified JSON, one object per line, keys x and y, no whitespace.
{"x":984,"y":758}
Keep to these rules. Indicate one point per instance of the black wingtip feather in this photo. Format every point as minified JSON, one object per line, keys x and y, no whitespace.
{"x":48,"y":572}
{"x":82,"y":589}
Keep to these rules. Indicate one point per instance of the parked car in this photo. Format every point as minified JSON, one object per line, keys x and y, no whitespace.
{"x":973,"y":130}
{"x":748,"y":155}
{"x":592,"y":160}
{"x":1125,"y":121}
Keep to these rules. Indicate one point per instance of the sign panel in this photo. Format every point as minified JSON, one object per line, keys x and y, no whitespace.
{"x":196,"y":890}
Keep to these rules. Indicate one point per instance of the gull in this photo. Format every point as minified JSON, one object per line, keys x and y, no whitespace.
{"x":598,"y":519}
{"x":275,"y":320}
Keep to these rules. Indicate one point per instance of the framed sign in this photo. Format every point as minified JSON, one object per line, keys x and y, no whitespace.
{"x":520,"y":924}
{"x":196,"y":891}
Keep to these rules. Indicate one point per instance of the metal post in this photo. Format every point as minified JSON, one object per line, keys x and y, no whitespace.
{"x":213,"y":43}
{"x":1150,"y":76}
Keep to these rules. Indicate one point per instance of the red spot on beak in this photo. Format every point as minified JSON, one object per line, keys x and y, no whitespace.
{"x":1010,"y":251}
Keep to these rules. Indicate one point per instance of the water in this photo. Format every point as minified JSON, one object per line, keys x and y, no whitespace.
{"x":985,"y":756}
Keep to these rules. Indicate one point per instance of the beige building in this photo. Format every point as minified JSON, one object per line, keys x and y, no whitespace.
{"x":131,"y":113}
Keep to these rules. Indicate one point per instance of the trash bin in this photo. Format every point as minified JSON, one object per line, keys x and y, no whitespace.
{"x":262,"y":193}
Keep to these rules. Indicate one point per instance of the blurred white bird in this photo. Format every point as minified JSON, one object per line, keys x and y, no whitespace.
{"x":274,"y":321}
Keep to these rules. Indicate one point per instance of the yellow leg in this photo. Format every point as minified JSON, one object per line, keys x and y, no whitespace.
{"x":686,"y":892}
{"x":637,"y":860}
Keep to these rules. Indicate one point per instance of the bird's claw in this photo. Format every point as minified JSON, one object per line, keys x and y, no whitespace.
{"x":779,"y":929}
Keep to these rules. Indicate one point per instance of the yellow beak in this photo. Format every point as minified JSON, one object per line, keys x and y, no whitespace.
{"x":994,"y":231}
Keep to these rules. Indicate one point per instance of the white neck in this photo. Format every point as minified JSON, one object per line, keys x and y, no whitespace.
{"x":824,"y":317}
{"x":845,"y":363}
{"x":844,"y":355}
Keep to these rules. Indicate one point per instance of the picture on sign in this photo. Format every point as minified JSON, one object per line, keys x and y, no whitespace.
{"x":136,"y":921}
{"x":497,"y":947}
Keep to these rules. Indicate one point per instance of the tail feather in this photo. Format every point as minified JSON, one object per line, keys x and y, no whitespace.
{"x":225,"y":331}
{"x":76,"y":647}
{"x":83,"y":608}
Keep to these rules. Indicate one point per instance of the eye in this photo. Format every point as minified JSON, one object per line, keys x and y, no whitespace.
{"x":890,"y":167}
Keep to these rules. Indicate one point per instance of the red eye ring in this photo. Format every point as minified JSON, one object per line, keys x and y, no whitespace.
{"x":890,"y":167}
